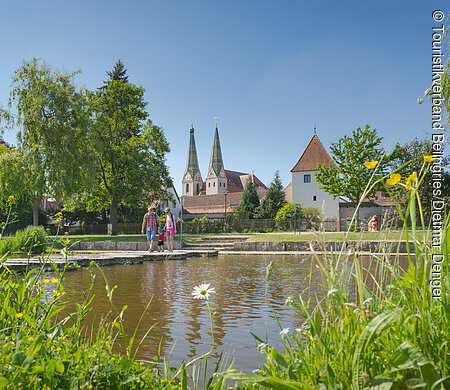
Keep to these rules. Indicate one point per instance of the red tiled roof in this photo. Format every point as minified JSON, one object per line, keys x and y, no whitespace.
{"x":237,"y":180}
{"x":215,"y":203}
{"x":314,"y":154}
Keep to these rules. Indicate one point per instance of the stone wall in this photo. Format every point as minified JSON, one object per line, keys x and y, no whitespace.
{"x":304,"y":246}
{"x":116,"y":246}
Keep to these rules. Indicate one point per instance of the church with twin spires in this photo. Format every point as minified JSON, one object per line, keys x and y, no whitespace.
{"x":222,"y":189}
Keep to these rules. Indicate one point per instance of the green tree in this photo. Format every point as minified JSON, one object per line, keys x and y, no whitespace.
{"x":53,"y":118}
{"x":409,"y":158}
{"x":129,"y":151}
{"x":350,"y":178}
{"x":119,"y":72}
{"x":249,"y":201}
{"x":273,"y":200}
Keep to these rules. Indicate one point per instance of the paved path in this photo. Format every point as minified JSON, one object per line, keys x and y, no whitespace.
{"x":104,"y":258}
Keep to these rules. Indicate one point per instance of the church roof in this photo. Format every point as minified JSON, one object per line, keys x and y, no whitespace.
{"x":314,"y":154}
{"x":192,"y":161}
{"x":216,"y":162}
{"x":214,"y":204}
{"x":236,"y":181}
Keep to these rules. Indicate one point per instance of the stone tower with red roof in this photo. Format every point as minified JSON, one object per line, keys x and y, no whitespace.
{"x":305,"y":188}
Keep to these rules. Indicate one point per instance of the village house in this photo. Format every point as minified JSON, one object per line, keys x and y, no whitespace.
{"x":305,"y":189}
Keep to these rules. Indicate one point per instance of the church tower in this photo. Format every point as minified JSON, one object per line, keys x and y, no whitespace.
{"x":216,"y":181}
{"x":192,"y":179}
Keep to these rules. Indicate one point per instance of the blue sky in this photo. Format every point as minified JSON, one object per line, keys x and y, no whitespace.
{"x":270,"y":70}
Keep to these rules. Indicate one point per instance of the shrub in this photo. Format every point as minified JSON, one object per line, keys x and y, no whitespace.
{"x":287,"y":212}
{"x":32,"y":239}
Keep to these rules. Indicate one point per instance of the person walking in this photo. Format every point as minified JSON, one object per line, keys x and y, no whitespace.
{"x":150,"y":224}
{"x":171,"y":229}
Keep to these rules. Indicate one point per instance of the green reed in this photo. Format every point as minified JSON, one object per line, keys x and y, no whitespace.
{"x":377,"y":327}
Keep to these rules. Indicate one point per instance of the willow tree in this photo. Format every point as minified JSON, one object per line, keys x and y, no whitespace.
{"x":52,"y":118}
{"x":129,"y":150}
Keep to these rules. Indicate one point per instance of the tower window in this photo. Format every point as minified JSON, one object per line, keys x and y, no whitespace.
{"x":187,"y":188}
{"x":307,"y":179}
{"x":209,"y":184}
{"x":198,"y":188}
{"x":214,"y":184}
{"x":220,"y":184}
{"x":314,"y":198}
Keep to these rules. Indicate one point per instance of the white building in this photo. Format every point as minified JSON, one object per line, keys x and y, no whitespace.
{"x":305,"y":188}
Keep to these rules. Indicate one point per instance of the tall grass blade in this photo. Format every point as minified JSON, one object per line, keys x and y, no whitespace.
{"x":370,"y":332}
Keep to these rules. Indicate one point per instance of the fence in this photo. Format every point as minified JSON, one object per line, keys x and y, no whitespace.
{"x":214,"y":226}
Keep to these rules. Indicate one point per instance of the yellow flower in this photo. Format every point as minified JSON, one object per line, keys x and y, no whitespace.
{"x":410,"y":180}
{"x":54,"y":280}
{"x":46,"y":281}
{"x":19,"y":315}
{"x":371,"y":164}
{"x":412,"y":177}
{"x":11,"y":200}
{"x":393,"y":179}
{"x":56,"y":293}
{"x":428,"y":158}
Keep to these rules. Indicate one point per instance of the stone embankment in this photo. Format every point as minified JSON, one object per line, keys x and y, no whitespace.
{"x":304,"y":246}
{"x":102,"y":258}
{"x":242,"y":244}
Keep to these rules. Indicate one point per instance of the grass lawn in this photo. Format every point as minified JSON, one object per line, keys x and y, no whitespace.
{"x":333,"y":236}
{"x":193,"y":238}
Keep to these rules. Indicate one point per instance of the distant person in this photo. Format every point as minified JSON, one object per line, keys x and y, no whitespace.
{"x":161,"y":240}
{"x":150,"y":223}
{"x":373,"y":224}
{"x":171,"y":229}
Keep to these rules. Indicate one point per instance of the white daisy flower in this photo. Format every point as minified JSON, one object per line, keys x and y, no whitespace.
{"x":284,"y":332}
{"x":367,"y":301}
{"x":202,"y":291}
{"x":262,"y":347}
{"x":289,"y":301}
{"x":332,"y":291}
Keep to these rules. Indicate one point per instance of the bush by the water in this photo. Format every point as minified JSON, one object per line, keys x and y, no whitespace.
{"x":32,"y":239}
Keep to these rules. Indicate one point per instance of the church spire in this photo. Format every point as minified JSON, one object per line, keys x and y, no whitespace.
{"x":192,"y":160}
{"x":192,"y":179}
{"x":216,"y":162}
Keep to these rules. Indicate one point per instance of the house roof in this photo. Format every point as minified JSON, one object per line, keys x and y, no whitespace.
{"x":215,"y":203}
{"x":314,"y":154}
{"x":381,"y":199}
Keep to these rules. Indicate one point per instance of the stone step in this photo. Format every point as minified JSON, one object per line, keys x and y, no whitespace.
{"x":227,"y":245}
{"x":225,"y":238}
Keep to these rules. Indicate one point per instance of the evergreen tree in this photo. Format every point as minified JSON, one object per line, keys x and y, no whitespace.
{"x":118,"y":73}
{"x":249,"y":201}
{"x":274,"y":199}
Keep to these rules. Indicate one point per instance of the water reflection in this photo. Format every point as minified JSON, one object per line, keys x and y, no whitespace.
{"x":239,"y":304}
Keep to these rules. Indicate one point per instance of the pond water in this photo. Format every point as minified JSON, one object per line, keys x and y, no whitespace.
{"x":182,"y":323}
